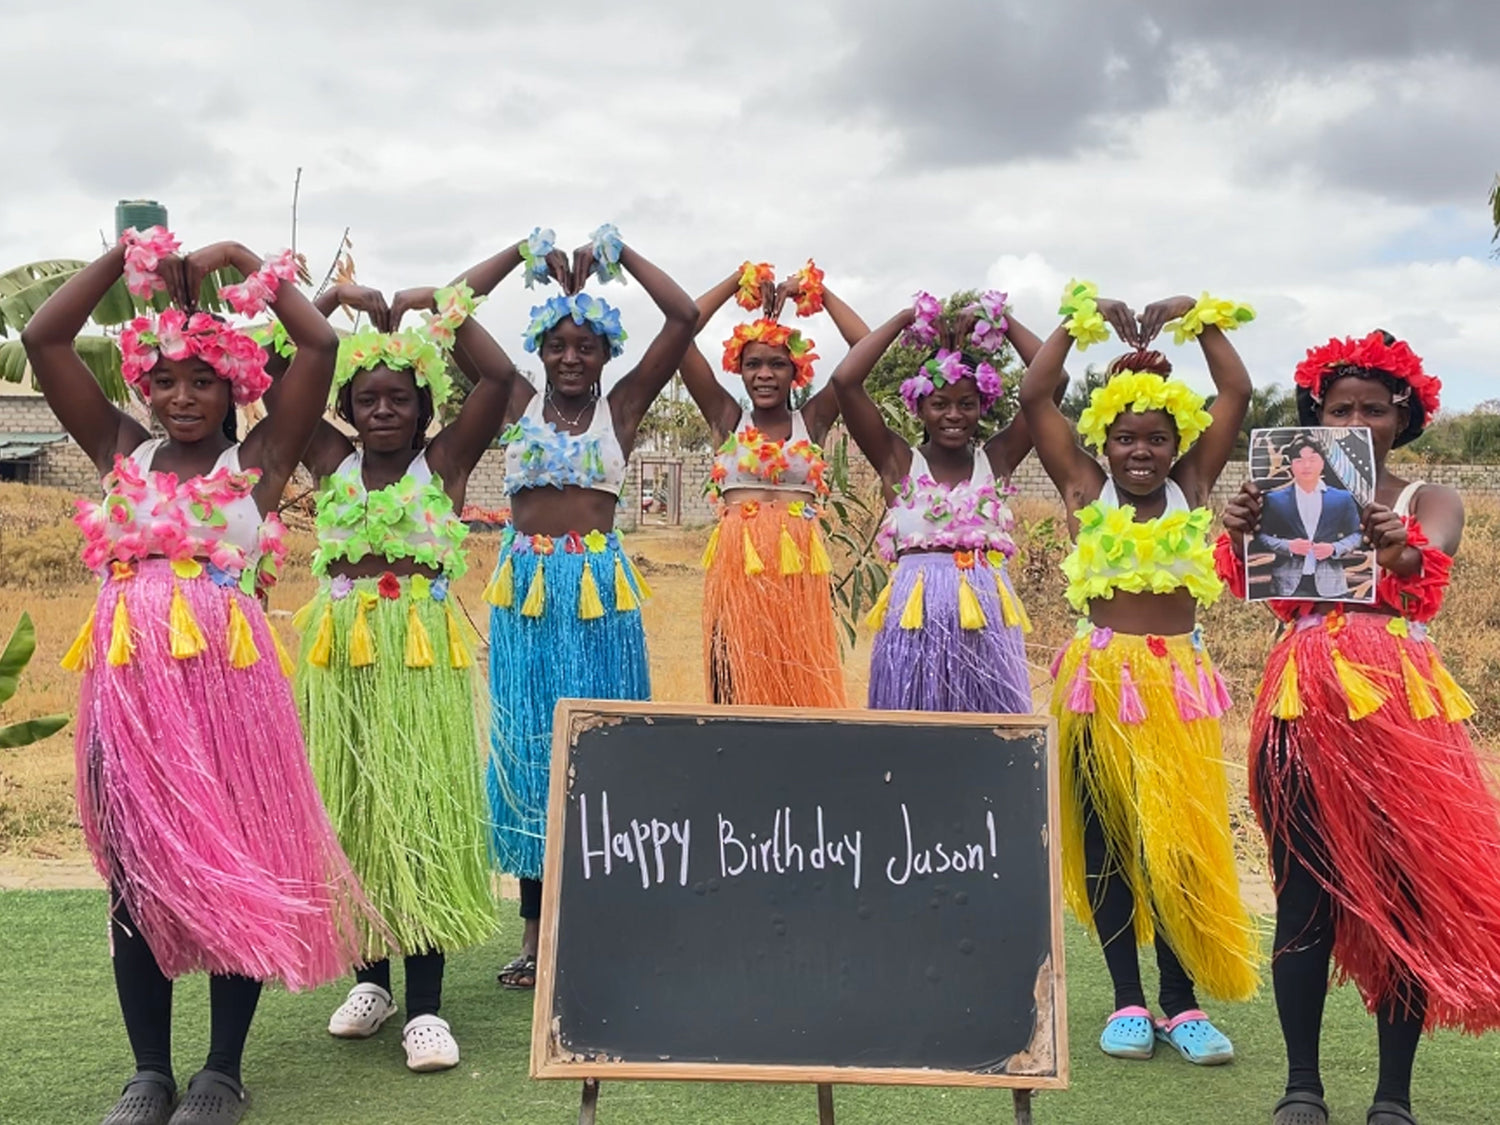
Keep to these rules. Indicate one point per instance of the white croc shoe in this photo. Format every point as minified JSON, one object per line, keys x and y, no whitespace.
{"x":363,"y":1011}
{"x":429,"y":1044}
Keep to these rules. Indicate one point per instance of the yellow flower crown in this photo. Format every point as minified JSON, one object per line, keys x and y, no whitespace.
{"x":1141,"y":392}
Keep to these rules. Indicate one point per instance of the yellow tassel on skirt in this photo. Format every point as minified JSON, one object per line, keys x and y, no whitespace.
{"x":768,"y":631}
{"x":1158,"y":785}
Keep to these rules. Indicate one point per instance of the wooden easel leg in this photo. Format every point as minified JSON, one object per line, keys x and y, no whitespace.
{"x":825,"y":1105}
{"x":1022,"y":1100}
{"x":590,"y":1101}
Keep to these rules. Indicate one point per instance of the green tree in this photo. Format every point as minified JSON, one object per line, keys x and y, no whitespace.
{"x":13,"y":662}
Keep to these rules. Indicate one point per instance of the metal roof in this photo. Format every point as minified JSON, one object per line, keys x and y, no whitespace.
{"x":17,"y":446}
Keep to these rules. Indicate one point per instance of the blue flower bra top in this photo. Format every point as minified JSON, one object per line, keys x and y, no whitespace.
{"x":537,"y":453}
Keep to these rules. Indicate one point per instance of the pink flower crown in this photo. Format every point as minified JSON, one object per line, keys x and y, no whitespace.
{"x":233,"y":355}
{"x":945,"y":369}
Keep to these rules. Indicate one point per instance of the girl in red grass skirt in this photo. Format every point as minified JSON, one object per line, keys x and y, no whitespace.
{"x":1383,"y":827}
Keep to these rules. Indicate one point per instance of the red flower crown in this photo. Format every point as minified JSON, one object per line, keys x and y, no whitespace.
{"x":1371,"y":353}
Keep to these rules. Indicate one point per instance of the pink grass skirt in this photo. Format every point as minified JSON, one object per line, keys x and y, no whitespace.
{"x":196,"y":797}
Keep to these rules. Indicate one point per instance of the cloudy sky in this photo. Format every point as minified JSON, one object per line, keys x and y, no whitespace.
{"x":1326,"y":160}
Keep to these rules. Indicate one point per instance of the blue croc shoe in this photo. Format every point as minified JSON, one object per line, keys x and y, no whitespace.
{"x":1128,"y":1034}
{"x":1196,"y":1038}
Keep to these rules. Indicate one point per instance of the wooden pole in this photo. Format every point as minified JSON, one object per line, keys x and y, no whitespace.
{"x":825,"y":1104}
{"x":590,"y":1101}
{"x":1022,"y":1100}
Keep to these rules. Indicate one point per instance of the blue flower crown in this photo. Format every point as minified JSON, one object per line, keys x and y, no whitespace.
{"x":583,"y":309}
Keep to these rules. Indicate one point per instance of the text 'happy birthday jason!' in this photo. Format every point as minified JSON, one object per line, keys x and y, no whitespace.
{"x":660,"y":851}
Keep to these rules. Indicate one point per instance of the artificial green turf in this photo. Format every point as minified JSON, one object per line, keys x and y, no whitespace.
{"x":63,"y":1055}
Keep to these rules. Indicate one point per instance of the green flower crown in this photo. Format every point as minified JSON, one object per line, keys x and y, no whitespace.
{"x":423,"y":350}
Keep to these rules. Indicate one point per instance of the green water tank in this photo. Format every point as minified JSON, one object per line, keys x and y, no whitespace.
{"x":142,"y":214}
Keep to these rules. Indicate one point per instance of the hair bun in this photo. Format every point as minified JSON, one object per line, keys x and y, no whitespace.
{"x":1142,"y":360}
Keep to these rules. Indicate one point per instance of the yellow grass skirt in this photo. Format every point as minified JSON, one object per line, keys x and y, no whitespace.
{"x":1139,"y":730}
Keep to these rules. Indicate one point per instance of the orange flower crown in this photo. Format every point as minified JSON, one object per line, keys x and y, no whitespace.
{"x":776,"y":335}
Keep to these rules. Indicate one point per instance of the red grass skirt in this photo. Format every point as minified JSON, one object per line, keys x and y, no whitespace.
{"x":1381,"y":779}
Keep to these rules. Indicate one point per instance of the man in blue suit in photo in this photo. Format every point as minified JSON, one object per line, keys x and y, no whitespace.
{"x":1310,"y":527}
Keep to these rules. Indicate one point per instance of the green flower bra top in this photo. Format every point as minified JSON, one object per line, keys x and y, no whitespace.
{"x":411,"y":519}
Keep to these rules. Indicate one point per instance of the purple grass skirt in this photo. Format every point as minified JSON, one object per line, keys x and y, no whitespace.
{"x":940,"y":665}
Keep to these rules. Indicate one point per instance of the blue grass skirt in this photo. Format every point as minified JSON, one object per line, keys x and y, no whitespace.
{"x":565,"y":622}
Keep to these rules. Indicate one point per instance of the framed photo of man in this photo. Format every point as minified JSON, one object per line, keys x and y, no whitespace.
{"x":1315,"y":483}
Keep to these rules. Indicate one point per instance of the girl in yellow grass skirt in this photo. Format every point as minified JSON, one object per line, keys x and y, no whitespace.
{"x":768,"y":630}
{"x":1147,"y":850}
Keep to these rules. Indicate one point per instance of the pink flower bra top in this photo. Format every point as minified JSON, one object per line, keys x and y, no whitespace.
{"x":748,"y":459}
{"x":927,"y":516}
{"x":146,"y":514}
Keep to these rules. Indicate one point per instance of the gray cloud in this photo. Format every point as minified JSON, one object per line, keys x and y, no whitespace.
{"x":998,"y":81}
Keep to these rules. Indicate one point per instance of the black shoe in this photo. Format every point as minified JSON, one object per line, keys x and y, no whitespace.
{"x":1389,"y":1113}
{"x":211,"y":1099}
{"x":146,"y":1100}
{"x":1301,"y":1107}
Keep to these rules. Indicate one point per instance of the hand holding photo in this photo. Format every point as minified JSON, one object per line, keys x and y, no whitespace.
{"x":1315,"y":482}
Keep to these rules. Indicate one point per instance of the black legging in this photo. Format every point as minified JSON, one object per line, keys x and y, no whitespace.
{"x":1304,"y":948}
{"x":146,"y":1003}
{"x":1114,"y":907}
{"x":531,"y":899}
{"x":424,"y":981}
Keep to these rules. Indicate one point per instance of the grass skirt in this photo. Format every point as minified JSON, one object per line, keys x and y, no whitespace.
{"x":1361,"y":764}
{"x":945,"y":648}
{"x":389,"y":699}
{"x":1138,"y":721}
{"x":194,"y":789}
{"x":565,"y":623}
{"x":768,"y":632}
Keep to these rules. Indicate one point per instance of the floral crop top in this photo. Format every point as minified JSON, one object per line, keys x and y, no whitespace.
{"x":927,"y":516}
{"x":1114,"y":552}
{"x":146,"y":514}
{"x":410,"y":519}
{"x":749,"y":459}
{"x":538,"y":454}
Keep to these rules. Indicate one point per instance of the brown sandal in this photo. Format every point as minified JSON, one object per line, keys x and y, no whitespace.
{"x":520,"y":974}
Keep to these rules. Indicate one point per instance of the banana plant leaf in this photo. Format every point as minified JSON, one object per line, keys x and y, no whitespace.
{"x":16,"y":656}
{"x":100,"y":355}
{"x":31,"y":730}
{"x":23,"y":291}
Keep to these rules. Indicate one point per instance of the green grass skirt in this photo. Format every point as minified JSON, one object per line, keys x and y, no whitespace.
{"x":388,"y":693}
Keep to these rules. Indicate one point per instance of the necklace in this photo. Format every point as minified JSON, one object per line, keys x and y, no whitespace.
{"x":563,"y":418}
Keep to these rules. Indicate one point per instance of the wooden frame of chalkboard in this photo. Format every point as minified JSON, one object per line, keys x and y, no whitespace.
{"x":1042,"y":1063}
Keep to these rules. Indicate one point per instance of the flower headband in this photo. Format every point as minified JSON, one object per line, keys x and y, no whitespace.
{"x":945,"y":369}
{"x":1141,"y":392}
{"x":234,"y":355}
{"x":598,"y":315}
{"x":1350,"y":356}
{"x":776,"y":335}
{"x":370,"y":348}
{"x":931,"y":320}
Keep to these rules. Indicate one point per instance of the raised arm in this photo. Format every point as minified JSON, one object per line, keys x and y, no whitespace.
{"x":456,"y":449}
{"x":1009,"y":446}
{"x":278,"y":441}
{"x":1198,"y":469}
{"x":68,"y":385}
{"x":822,"y":410}
{"x":1077,"y":476}
{"x":482,"y":277}
{"x":718,"y":406}
{"x":632,"y":395}
{"x":884,"y":448}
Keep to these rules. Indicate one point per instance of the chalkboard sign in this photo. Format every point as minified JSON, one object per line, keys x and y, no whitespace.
{"x":813,"y":896}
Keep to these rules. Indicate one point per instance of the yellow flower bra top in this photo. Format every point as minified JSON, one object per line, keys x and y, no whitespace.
{"x":410,"y":519}
{"x":1114,"y":552}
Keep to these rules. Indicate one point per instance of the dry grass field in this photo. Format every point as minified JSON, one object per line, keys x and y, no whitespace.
{"x":40,"y":574}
